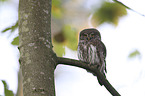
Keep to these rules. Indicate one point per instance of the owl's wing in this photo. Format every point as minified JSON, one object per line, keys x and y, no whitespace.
{"x":101,"y":51}
{"x":103,"y":48}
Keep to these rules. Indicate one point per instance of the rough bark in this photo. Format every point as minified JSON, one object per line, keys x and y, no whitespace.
{"x":37,"y":59}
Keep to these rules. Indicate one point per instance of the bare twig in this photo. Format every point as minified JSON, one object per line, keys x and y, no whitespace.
{"x":77,"y":63}
{"x":128,"y":7}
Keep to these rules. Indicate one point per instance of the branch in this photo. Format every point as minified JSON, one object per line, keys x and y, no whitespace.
{"x":128,"y":7}
{"x":83,"y":65}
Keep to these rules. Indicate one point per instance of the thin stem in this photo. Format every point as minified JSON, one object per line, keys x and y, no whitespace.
{"x":128,"y":7}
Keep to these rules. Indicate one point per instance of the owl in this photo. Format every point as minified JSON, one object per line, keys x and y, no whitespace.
{"x":91,"y":50}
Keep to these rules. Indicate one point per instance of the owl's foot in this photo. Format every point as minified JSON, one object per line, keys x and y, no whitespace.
{"x":93,"y":65}
{"x":90,"y":65}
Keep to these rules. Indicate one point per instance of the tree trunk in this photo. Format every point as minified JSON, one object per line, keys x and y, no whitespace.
{"x":37,"y":59}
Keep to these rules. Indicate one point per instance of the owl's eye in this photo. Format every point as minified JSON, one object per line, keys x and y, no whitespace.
{"x":85,"y":35}
{"x":92,"y":35}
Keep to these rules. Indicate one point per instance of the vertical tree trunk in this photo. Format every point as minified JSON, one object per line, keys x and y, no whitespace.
{"x":36,"y":56}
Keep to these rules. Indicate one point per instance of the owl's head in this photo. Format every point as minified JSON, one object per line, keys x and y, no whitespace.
{"x":90,"y":34}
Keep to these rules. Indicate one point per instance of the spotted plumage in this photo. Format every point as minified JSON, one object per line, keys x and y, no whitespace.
{"x":92,"y":50}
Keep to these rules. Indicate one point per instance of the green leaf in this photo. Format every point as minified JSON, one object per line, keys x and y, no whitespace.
{"x":7,"y":29}
{"x":12,"y":28}
{"x":109,"y":12}
{"x":134,"y":54}
{"x":6,"y":90}
{"x":15,"y":41}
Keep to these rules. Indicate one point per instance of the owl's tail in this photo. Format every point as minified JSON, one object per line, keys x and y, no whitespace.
{"x":99,"y":80}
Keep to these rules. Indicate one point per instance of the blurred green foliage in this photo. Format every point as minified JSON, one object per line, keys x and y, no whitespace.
{"x":68,"y":34}
{"x":67,"y":37}
{"x":56,"y":8}
{"x":7,"y":92}
{"x":59,"y":48}
{"x":3,"y":0}
{"x":109,"y":12}
{"x":134,"y":54}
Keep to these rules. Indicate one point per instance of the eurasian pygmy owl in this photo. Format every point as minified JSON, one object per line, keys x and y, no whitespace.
{"x":91,"y":50}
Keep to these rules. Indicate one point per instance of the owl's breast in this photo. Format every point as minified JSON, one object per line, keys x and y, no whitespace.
{"x":88,"y":53}
{"x":93,"y":54}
